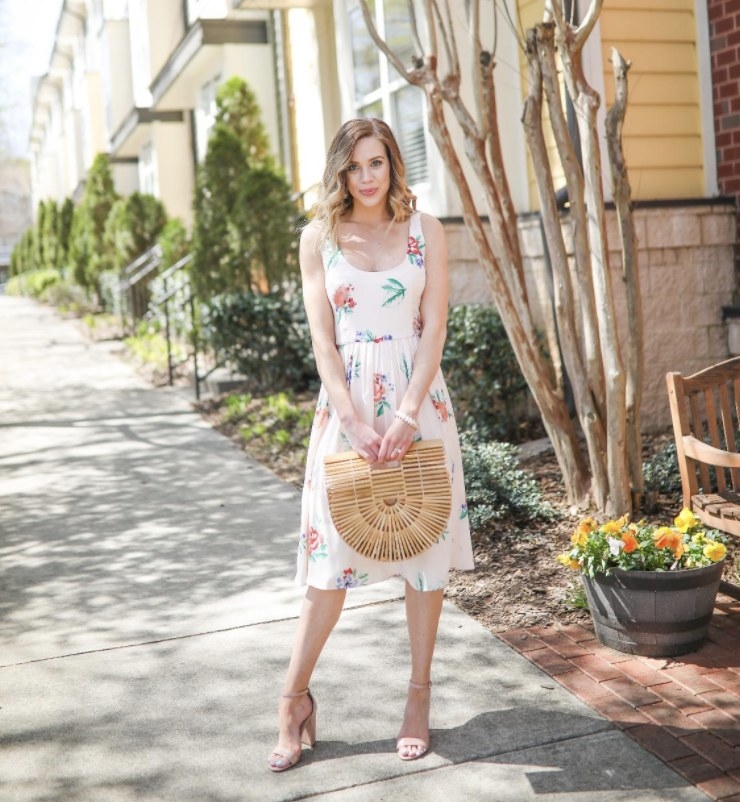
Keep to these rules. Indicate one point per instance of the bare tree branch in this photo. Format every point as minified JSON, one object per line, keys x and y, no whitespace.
{"x":622,"y":194}
{"x":455,"y":64}
{"x":448,"y":39}
{"x":590,"y":19}
{"x":411,"y":76}
{"x":415,"y":27}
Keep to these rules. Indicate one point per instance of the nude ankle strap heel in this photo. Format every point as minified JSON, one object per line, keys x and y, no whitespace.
{"x":287,"y":759}
{"x":419,"y":746}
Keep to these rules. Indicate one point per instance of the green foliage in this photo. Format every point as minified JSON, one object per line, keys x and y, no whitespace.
{"x":275,"y":424}
{"x":599,"y":548}
{"x":67,"y":297}
{"x":64,"y":229}
{"x":243,"y":232}
{"x":487,"y":385}
{"x":39,"y":254}
{"x":238,"y":111}
{"x":33,"y":282}
{"x":43,"y":246}
{"x":86,"y":247}
{"x":497,"y":488}
{"x":150,"y":347}
{"x":237,"y":405}
{"x":265,"y":337}
{"x":132,"y":227}
{"x":660,"y":473}
{"x":174,"y":242}
{"x":50,"y":236}
{"x":575,"y":597}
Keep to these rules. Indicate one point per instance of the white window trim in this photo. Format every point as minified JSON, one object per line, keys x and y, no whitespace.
{"x":349,"y":101}
{"x":706,"y":99}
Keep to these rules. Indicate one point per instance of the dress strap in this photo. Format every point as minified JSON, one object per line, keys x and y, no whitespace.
{"x":415,"y":225}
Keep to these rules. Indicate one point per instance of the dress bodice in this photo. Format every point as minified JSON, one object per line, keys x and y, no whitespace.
{"x":374,"y":307}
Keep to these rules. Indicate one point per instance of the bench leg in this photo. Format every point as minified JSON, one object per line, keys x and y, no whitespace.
{"x":729,"y":589}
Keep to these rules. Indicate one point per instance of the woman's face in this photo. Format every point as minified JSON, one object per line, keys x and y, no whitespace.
{"x":368,"y":175}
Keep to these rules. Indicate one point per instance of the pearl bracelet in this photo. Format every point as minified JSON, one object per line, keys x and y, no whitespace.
{"x":407,"y":419}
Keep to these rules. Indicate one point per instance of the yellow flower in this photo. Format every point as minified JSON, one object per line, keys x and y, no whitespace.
{"x":614,"y":527}
{"x":582,"y":531}
{"x":715,"y":551}
{"x":685,"y":520}
{"x":579,"y":538}
{"x":568,"y":561}
{"x":698,"y":538}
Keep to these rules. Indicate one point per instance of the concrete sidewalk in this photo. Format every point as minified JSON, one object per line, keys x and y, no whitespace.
{"x":147,"y":611}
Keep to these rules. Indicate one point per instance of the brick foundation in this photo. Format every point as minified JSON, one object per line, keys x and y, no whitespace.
{"x":687,"y":274}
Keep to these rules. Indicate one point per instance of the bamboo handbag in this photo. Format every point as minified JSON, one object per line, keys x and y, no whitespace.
{"x":392,"y":512}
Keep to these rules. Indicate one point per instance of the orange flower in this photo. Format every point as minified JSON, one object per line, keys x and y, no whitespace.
{"x":667,"y":538}
{"x":630,"y":542}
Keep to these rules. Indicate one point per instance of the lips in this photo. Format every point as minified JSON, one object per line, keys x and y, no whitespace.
{"x":368,"y":192}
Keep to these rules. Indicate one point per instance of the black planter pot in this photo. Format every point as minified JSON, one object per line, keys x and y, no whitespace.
{"x":653,"y":613}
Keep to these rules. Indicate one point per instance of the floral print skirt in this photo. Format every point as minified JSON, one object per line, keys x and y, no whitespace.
{"x":377,"y":375}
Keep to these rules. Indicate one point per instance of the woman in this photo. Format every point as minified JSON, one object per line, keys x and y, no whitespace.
{"x":374,"y":276}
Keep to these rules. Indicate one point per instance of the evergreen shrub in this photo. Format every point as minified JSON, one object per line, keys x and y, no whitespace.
{"x":244,"y":218}
{"x":33,"y":282}
{"x":486,"y":383}
{"x":497,"y":487}
{"x":265,"y":337}
{"x":131,"y":228}
{"x":87,"y":256}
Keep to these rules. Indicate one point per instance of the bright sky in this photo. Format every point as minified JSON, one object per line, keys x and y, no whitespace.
{"x":26,"y":35}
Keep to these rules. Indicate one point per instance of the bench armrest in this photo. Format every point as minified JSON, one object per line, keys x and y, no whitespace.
{"x":702,"y":452}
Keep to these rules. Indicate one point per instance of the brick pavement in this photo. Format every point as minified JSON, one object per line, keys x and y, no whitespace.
{"x":685,"y":710}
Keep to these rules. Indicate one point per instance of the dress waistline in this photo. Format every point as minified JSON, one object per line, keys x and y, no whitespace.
{"x":366,"y":338}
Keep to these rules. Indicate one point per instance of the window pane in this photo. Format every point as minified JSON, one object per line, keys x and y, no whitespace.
{"x":365,"y":55}
{"x":372,"y":110}
{"x":398,"y":32}
{"x":408,"y":116}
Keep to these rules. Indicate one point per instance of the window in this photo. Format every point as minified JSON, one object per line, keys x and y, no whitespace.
{"x":148,"y":183}
{"x":378,"y":89}
{"x":205,"y":115}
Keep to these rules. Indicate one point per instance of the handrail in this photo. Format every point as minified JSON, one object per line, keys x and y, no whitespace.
{"x":140,"y":268}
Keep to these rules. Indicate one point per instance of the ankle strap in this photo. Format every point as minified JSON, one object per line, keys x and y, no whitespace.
{"x":295,"y":694}
{"x":422,"y":686}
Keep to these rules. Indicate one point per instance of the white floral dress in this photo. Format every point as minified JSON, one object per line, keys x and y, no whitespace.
{"x":377,"y":326}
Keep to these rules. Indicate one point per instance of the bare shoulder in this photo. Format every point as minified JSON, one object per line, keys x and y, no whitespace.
{"x":310,"y":237}
{"x":432,"y":228}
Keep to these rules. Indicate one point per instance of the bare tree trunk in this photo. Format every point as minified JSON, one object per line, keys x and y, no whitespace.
{"x":562,"y":286}
{"x":582,"y":293}
{"x":521,"y":333}
{"x":622,"y":193}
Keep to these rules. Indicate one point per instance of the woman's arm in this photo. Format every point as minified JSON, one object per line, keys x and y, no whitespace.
{"x":434,"y":332}
{"x":363,"y":438}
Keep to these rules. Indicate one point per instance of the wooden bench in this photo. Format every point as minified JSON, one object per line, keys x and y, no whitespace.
{"x":705,"y":408}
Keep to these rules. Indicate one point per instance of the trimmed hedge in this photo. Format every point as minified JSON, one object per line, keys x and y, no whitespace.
{"x":265,"y":337}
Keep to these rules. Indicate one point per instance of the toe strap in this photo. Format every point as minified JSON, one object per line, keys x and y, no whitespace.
{"x":285,"y":756}
{"x":406,"y":743}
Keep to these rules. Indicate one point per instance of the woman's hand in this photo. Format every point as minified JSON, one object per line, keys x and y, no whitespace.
{"x":363,"y":439}
{"x":396,"y":442}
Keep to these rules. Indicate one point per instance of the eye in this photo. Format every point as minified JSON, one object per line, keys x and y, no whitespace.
{"x":352,"y":168}
{"x":377,"y":163}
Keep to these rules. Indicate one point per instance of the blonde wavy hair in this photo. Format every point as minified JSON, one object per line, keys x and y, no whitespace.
{"x":336,"y":201}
